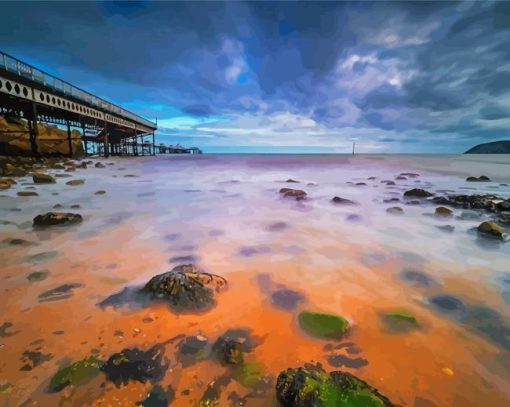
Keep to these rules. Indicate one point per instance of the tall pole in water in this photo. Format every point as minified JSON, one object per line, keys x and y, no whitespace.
{"x":353,"y":145}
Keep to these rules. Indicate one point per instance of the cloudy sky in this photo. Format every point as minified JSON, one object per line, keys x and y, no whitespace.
{"x":288,"y":76}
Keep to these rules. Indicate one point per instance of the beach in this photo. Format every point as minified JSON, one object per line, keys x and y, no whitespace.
{"x":280,"y":256}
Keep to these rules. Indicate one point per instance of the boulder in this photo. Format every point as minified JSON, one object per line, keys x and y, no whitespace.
{"x":99,"y":165}
{"x":395,"y":210}
{"x":481,"y":178}
{"x":27,"y":193}
{"x":57,"y":218}
{"x":5,"y":183}
{"x":342,"y":201}
{"x":491,"y":203}
{"x":492,"y":229}
{"x":298,"y":194}
{"x":136,"y":364}
{"x":40,"y":178}
{"x":75,"y":182}
{"x":417,"y":193}
{"x":442,"y":211}
{"x":311,"y":385}
{"x":185,"y":288}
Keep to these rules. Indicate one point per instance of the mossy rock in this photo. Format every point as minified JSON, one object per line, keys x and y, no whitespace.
{"x":399,"y":322}
{"x":248,"y":374}
{"x":401,"y":316}
{"x":323,"y":325}
{"x":312,"y":386}
{"x":78,"y":373}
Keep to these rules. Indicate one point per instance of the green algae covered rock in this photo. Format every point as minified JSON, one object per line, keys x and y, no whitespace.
{"x":323,"y":325}
{"x":248,"y":373}
{"x":492,"y":229}
{"x":401,"y":316}
{"x":311,"y":385}
{"x":75,"y":374}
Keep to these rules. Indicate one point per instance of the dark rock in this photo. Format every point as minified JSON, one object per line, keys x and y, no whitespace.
{"x":99,"y":165}
{"x":75,"y":182}
{"x":27,"y":193}
{"x":490,"y":203}
{"x":135,"y":364}
{"x":298,"y":194}
{"x":361,"y":184}
{"x":185,"y":287}
{"x":286,"y":299}
{"x":447,"y":303}
{"x":33,"y":359}
{"x":418,"y":193}
{"x":388,"y":182}
{"x":59,"y":293}
{"x":158,"y":397}
{"x":342,"y":201}
{"x":418,"y":278}
{"x":17,"y":242}
{"x":481,"y":178}
{"x":3,"y":330}
{"x":230,"y":346}
{"x":100,"y":192}
{"x":442,"y":211}
{"x":311,"y":385}
{"x":400,"y":178}
{"x":409,"y":174}
{"x":395,"y":210}
{"x":339,"y":360}
{"x":446,"y":228}
{"x":40,"y":178}
{"x":38,"y":276}
{"x":57,"y":218}
{"x":492,"y":229}
{"x":292,"y":181}
{"x":277,"y":226}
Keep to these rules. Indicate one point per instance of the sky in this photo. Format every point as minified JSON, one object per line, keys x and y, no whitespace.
{"x":284,"y":77}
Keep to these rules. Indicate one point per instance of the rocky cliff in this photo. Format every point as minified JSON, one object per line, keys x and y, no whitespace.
{"x":496,"y":147}
{"x":51,"y":141}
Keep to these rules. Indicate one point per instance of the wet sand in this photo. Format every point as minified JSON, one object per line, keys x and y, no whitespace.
{"x":224,"y":214}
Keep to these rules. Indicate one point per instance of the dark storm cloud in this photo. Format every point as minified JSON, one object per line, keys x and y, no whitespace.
{"x":431,"y":67}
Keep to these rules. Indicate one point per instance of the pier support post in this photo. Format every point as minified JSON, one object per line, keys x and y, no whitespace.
{"x":69,"y":139}
{"x":34,"y":131}
{"x":143,"y":147}
{"x":84,"y":139}
{"x":153,"y":145}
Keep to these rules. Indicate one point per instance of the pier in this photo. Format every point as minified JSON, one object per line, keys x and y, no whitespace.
{"x":163,"y":149}
{"x":38,"y":97}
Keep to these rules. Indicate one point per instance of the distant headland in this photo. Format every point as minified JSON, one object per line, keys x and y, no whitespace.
{"x":495,"y":147}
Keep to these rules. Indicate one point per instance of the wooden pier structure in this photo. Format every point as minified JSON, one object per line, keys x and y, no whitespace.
{"x":38,"y":97}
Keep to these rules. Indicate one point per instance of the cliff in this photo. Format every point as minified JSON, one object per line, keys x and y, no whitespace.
{"x":51,"y":141}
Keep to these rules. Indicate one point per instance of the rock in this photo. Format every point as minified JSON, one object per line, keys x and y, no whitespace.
{"x":38,"y":275}
{"x":135,"y":364}
{"x":99,"y":165}
{"x":57,"y":218}
{"x":63,"y":175}
{"x":286,"y":299}
{"x":323,"y":325}
{"x":400,"y":177}
{"x":481,"y":178}
{"x":311,"y":385}
{"x":292,"y":181}
{"x":158,"y":397}
{"x":395,"y":210}
{"x":388,"y":182}
{"x":76,"y":374}
{"x":492,"y":229}
{"x":75,"y":182}
{"x":27,"y":193}
{"x":342,"y":201}
{"x":228,"y":351}
{"x":16,"y":242}
{"x":361,"y":184}
{"x":61,"y":292}
{"x":417,"y":193}
{"x":446,"y":228}
{"x":6,"y":183}
{"x":399,"y":322}
{"x":298,"y":194}
{"x":82,"y":165}
{"x":491,"y":203}
{"x":40,"y":178}
{"x":185,"y":287}
{"x":442,"y":211}
{"x":100,"y":192}
{"x":409,"y":174}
